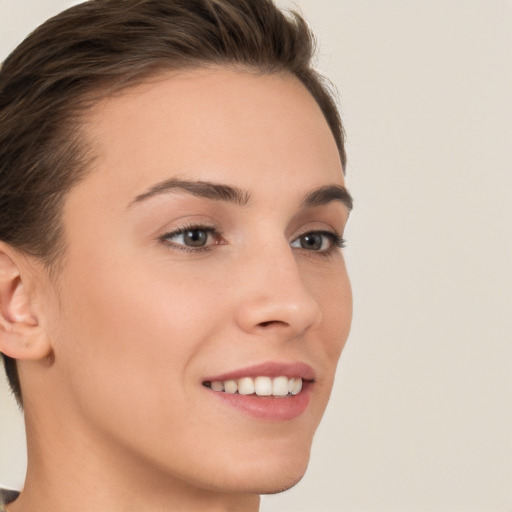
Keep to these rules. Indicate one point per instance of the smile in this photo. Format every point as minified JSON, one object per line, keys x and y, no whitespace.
{"x":269,"y":391}
{"x":261,"y":386}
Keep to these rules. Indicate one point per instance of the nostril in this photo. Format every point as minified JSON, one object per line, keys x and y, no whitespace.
{"x":272,"y":322}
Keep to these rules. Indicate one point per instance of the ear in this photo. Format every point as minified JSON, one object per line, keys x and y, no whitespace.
{"x":21,"y":331}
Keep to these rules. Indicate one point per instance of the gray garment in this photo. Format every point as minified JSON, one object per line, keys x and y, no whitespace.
{"x":6,"y":496}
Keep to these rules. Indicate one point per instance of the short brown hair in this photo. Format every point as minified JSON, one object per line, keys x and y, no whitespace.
{"x":89,"y":50}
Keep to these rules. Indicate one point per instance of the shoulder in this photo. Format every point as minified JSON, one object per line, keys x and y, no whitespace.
{"x":6,"y":496}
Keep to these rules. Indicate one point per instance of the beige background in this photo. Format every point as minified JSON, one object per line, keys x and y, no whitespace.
{"x":421,"y":415}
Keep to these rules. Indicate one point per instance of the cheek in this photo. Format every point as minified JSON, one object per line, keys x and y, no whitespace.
{"x":128,"y":335}
{"x":339,"y":314}
{"x":333,"y":293}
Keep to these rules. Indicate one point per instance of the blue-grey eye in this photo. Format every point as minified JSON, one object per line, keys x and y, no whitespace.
{"x":192,"y":237}
{"x":319,"y":241}
{"x":312,"y":241}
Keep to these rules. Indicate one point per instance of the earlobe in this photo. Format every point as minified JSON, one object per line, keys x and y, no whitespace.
{"x":21,"y":333}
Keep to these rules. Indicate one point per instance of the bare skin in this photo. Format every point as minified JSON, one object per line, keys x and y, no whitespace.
{"x":117,"y":355}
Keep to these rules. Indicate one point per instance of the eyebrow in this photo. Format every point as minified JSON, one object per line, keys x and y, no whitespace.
{"x":206,"y":189}
{"x":327,"y":194}
{"x":231,"y":194}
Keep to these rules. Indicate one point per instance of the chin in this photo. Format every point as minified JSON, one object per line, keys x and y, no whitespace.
{"x":283,"y":487}
{"x":265,"y":485}
{"x":279,"y":483}
{"x":270,"y":475}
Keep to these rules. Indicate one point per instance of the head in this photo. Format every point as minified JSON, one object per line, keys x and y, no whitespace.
{"x":171,"y":186}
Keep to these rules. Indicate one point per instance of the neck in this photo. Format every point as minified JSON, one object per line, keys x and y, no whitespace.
{"x":72,"y":470}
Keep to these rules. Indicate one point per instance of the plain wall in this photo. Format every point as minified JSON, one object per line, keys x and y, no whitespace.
{"x":421,"y":413}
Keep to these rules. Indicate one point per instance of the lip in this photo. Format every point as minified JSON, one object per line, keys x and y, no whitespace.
{"x":268,"y":408}
{"x":269,"y":369}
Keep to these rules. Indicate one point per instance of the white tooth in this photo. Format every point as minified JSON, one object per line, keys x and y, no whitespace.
{"x":290,"y":384}
{"x":230,"y":387}
{"x":217,"y":385}
{"x":246,"y":386}
{"x":280,"y":386}
{"x":263,"y":386}
{"x":297,"y":386}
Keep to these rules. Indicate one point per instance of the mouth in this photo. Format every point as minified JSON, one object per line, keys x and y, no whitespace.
{"x":261,"y":385}
{"x":269,"y":391}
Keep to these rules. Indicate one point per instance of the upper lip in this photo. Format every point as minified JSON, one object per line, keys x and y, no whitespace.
{"x":268,"y":369}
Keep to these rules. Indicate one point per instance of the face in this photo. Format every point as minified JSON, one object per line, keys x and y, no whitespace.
{"x":203,"y":257}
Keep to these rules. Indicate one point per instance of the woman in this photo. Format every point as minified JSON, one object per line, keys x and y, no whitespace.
{"x":173,"y":294}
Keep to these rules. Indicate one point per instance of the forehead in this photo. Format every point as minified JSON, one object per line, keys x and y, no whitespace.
{"x":219,"y":125}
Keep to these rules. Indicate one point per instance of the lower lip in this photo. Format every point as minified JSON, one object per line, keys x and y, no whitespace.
{"x":268,"y":408}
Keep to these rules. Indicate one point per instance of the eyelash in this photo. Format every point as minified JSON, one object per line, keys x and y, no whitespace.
{"x":209,"y":229}
{"x":337,"y":242}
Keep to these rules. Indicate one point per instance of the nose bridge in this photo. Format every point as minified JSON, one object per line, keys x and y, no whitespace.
{"x":274,"y":295}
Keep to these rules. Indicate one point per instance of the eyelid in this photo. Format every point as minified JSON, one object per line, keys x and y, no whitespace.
{"x":337,"y":241}
{"x":192,"y":226}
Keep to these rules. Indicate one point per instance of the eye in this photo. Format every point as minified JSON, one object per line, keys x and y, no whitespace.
{"x":319,"y":241}
{"x":192,"y":238}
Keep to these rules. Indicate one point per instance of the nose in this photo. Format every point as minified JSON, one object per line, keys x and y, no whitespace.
{"x":274,"y":298}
